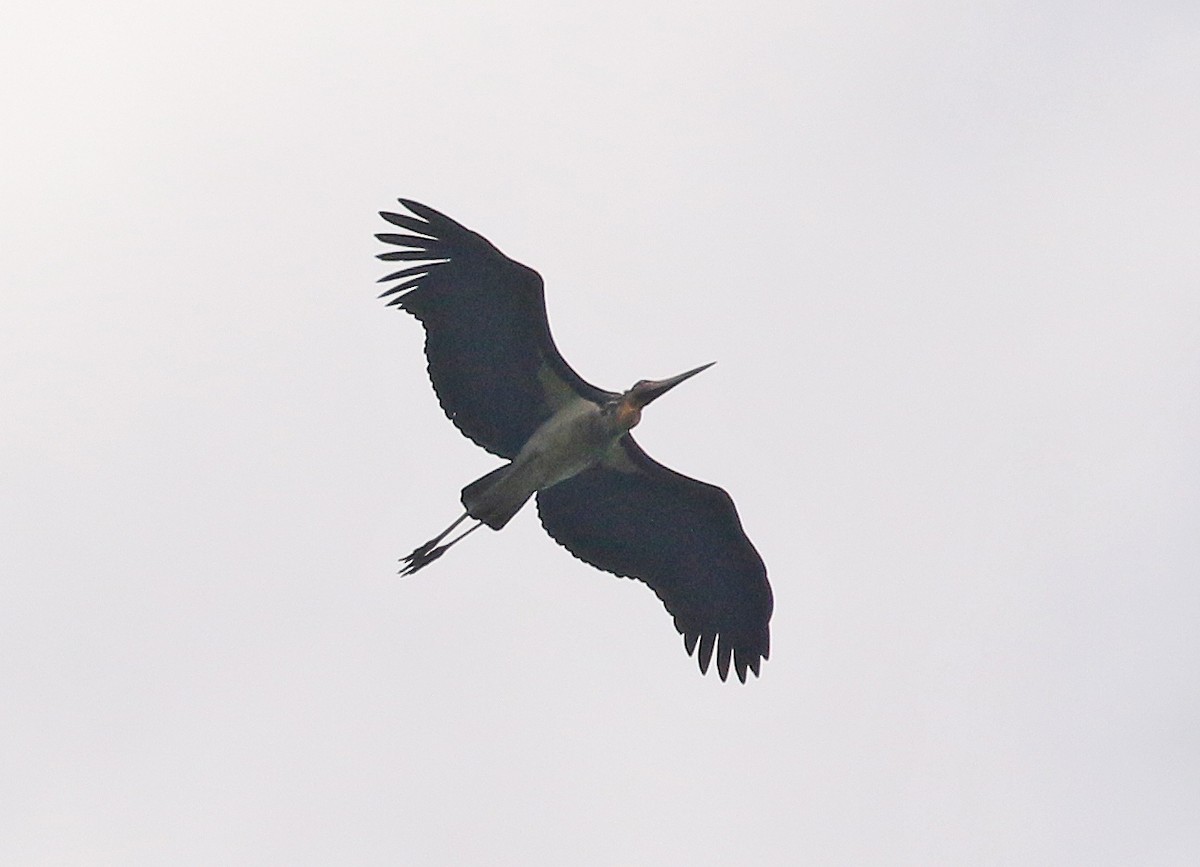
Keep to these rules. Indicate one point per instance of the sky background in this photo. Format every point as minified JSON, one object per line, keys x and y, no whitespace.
{"x":948,"y":258}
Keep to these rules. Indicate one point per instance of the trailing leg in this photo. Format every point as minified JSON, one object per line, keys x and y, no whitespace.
{"x":431,"y":550}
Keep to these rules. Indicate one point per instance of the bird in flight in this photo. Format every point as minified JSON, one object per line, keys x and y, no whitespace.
{"x":502,"y":382}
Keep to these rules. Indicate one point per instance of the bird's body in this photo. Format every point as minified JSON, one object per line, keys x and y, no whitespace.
{"x":501,"y":380}
{"x":573,"y":439}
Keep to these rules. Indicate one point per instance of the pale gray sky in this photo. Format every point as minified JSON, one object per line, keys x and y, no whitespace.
{"x":948,"y":258}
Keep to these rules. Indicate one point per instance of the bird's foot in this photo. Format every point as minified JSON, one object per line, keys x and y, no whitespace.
{"x":431,"y":550}
{"x":422,"y":557}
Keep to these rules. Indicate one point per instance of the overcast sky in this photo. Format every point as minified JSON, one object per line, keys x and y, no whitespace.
{"x":948,"y":258}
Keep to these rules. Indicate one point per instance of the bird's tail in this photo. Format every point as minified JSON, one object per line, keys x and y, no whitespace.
{"x":492,"y":500}
{"x":496,"y":497}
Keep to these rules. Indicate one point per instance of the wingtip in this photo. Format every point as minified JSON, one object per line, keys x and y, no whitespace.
{"x":707,"y":640}
{"x":419,"y":270}
{"x":740,"y":659}
{"x":404,"y":221}
{"x":423,"y":211}
{"x":417,"y":242}
{"x":744,"y":661}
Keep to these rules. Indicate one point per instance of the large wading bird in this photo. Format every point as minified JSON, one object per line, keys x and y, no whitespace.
{"x":500,"y":379}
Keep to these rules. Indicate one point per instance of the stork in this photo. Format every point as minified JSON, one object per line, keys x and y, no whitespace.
{"x":501,"y":380}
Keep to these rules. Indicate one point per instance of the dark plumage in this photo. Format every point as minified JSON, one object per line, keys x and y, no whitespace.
{"x":501,"y":380}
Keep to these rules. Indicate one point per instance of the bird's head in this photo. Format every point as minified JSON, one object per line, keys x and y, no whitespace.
{"x":630,"y":404}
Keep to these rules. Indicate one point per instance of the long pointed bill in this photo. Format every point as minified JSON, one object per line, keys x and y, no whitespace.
{"x":648,"y":391}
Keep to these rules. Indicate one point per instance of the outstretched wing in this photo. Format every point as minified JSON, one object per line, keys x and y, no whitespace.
{"x":632,"y":516}
{"x":492,"y":360}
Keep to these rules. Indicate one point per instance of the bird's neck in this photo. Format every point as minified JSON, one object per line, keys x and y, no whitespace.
{"x":628,"y":414}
